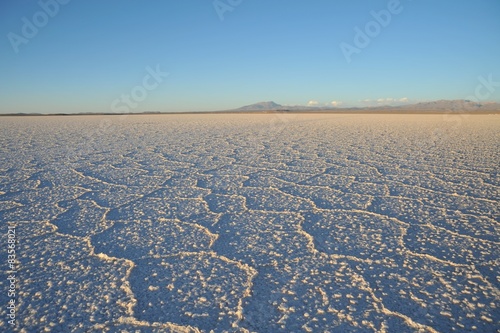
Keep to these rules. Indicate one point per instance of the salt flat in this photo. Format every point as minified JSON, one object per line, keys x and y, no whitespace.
{"x":259,"y":223}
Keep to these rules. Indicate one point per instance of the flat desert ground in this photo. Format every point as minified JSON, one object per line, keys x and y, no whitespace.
{"x":252,"y":223}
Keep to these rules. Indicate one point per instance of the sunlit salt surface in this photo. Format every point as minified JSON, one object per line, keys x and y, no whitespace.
{"x":259,"y":223}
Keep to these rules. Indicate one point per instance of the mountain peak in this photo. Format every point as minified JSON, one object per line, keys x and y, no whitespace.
{"x":261,"y":106}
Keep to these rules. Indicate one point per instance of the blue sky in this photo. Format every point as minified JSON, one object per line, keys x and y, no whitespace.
{"x":90,"y":55}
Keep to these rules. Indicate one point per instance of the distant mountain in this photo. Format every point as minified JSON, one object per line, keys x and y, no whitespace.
{"x":272,"y":106}
{"x":436,"y":106}
{"x":262,"y":106}
{"x":452,"y":105}
{"x":441,"y":106}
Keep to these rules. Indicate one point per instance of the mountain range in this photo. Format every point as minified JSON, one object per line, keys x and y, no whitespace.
{"x":440,"y":106}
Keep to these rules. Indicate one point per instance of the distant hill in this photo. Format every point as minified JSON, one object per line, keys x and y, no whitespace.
{"x":433,"y":106}
{"x":261,"y":106}
{"x":441,"y":106}
{"x":453,"y":105}
{"x":272,"y":106}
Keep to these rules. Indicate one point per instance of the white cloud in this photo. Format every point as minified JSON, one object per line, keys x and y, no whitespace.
{"x":335,"y":103}
{"x":312,"y":103}
{"x":385,"y":101}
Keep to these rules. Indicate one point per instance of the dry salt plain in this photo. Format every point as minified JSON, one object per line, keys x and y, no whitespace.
{"x":252,"y":223}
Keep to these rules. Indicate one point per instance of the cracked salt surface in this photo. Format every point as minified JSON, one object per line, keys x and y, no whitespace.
{"x":253,"y":223}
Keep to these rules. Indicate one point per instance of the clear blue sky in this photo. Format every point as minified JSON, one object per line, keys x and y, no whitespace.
{"x":91,"y":53}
